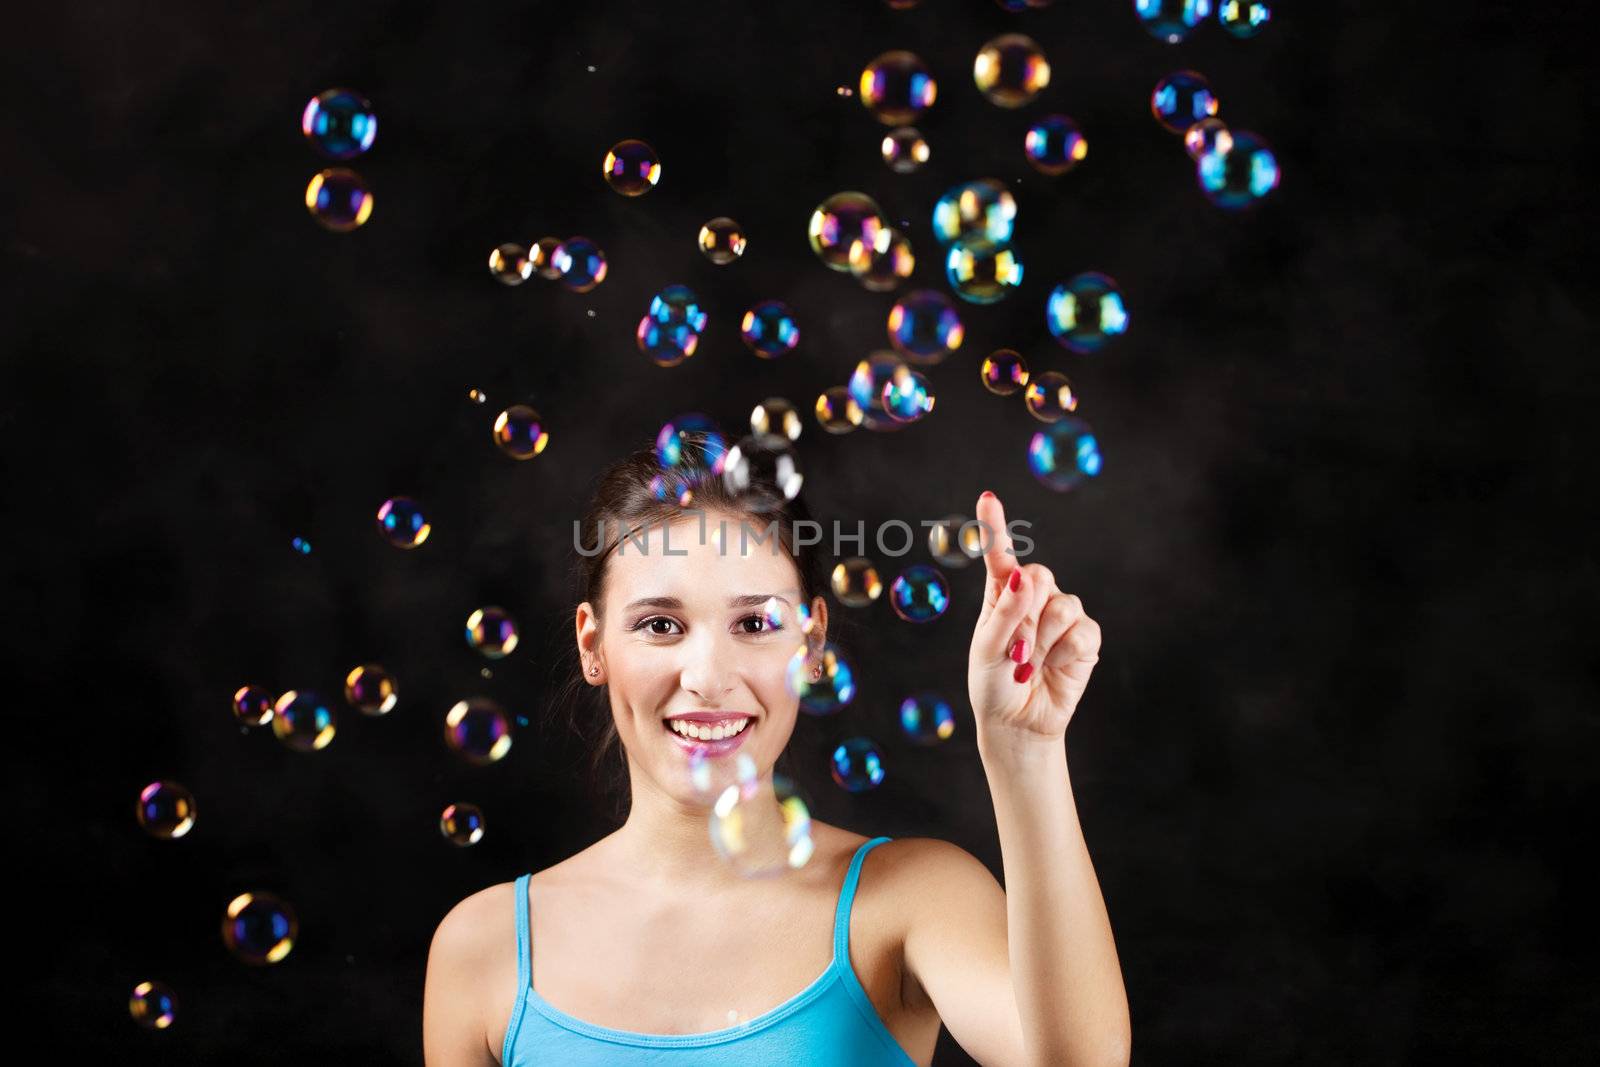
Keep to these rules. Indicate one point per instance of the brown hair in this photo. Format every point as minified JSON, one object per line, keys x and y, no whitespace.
{"x":634,"y":493}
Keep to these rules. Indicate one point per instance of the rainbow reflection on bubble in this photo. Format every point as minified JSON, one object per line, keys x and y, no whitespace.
{"x":920,"y":593}
{"x":401,"y":523}
{"x":904,"y":149}
{"x":371,"y":690}
{"x":1182,"y":99}
{"x":828,"y":694}
{"x":1086,"y":312}
{"x":693,"y":441}
{"x":907,"y":396}
{"x":839,"y":221}
{"x":1207,"y":135}
{"x":153,"y":1005}
{"x":338,"y":199}
{"x":678,"y":304}
{"x":259,"y":928}
{"x":667,"y":344}
{"x":1240,"y":175}
{"x":339,"y":123}
{"x":926,"y":718}
{"x":519,"y":432}
{"x":955,"y":540}
{"x":762,"y":472}
{"x":631,"y":168}
{"x":580,"y":263}
{"x":1054,"y":145}
{"x":981,"y":271}
{"x":1003,"y":371}
{"x":1050,"y":396}
{"x":166,"y":810}
{"x":461,"y":824}
{"x":882,"y":268}
{"x":303,"y":720}
{"x":510,"y":265}
{"x":1064,"y":453}
{"x":478,"y":730}
{"x":769,"y":329}
{"x":923,"y":327}
{"x":761,"y":825}
{"x":836,"y":410}
{"x":856,"y":765}
{"x":721,"y":240}
{"x":855,"y":582}
{"x":897,"y":87}
{"x":776,"y":415}
{"x":1171,"y":20}
{"x":1011,"y":70}
{"x":542,"y":255}
{"x":252,"y":705}
{"x":1243,"y":18}
{"x":492,"y":632}
{"x":982,"y":208}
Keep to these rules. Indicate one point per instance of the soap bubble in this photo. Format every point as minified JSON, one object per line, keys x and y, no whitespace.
{"x":1050,"y":396}
{"x":510,"y":265}
{"x":856,"y":765}
{"x":252,"y":705}
{"x":769,"y":329}
{"x":981,"y":271}
{"x":927,"y":718}
{"x":692,"y":440}
{"x":1064,"y":453}
{"x":1207,"y":135}
{"x":153,"y":1005}
{"x":763,"y":472}
{"x":1182,"y":99}
{"x":461,"y":824}
{"x":1240,"y":175}
{"x":303,"y":720}
{"x":1054,"y":145}
{"x":1086,"y":312}
{"x":904,"y":149}
{"x":371,"y":690}
{"x":580,"y":263}
{"x":761,"y":826}
{"x":840,"y":220}
{"x":1003,"y":371}
{"x":883,"y":267}
{"x":1011,"y":70}
{"x":492,"y":632}
{"x":401,"y":523}
{"x":542,"y":255}
{"x":722,"y":240}
{"x":1171,"y":20}
{"x":259,"y":928}
{"x":631,"y":168}
{"x":775,"y":415}
{"x":907,"y":395}
{"x":519,"y":432}
{"x":955,"y":541}
{"x":1243,"y":18}
{"x":897,"y":87}
{"x":919,"y":593}
{"x":827,"y":694}
{"x":837,"y":411}
{"x":983,"y":208}
{"x":338,"y":199}
{"x":477,"y":730}
{"x":678,"y":304}
{"x":924,"y":328}
{"x":855,"y":582}
{"x":666,"y":344}
{"x":869,"y":379}
{"x":166,"y":810}
{"x":339,"y":123}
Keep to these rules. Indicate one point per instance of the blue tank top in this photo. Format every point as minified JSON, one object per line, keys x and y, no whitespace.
{"x":829,"y":1022}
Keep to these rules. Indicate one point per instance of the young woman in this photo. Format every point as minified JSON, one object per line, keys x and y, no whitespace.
{"x":647,"y":947}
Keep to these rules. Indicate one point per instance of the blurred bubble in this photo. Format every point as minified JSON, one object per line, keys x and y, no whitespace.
{"x":301,"y":545}
{"x":259,"y":928}
{"x":477,"y":396}
{"x":840,"y":220}
{"x":692,"y":440}
{"x":721,"y":240}
{"x":672,"y":486}
{"x":510,"y":264}
{"x":1207,"y":135}
{"x":982,"y":208}
{"x":1239,"y":175}
{"x":856,"y":765}
{"x":492,"y":631}
{"x":153,"y":1005}
{"x":1050,"y":396}
{"x":371,"y":690}
{"x":303,"y":720}
{"x":981,"y":271}
{"x":927,"y":718}
{"x":1182,"y":99}
{"x":666,"y":345}
{"x":919,"y":593}
{"x":897,"y":87}
{"x":955,"y":541}
{"x":1064,"y":453}
{"x":763,"y":472}
{"x":775,"y":415}
{"x":339,"y":123}
{"x":580,"y":264}
{"x":880,"y":268}
{"x":462,"y":824}
{"x":166,"y":809}
{"x":907,"y":395}
{"x":1086,"y":312}
{"x":855,"y":582}
{"x":631,"y":168}
{"x":338,"y":199}
{"x":769,"y":329}
{"x":543,"y":257}
{"x":252,"y":705}
{"x":520,"y":433}
{"x":837,"y":411}
{"x":761,"y":826}
{"x":477,"y":730}
{"x":1243,"y":19}
{"x":904,"y":149}
{"x":829,"y":693}
{"x":1011,"y":70}
{"x":1003,"y":372}
{"x":678,"y":304}
{"x":401,"y":523}
{"x":924,"y":328}
{"x":869,"y":379}
{"x":1171,"y":20}
{"x":1054,"y":145}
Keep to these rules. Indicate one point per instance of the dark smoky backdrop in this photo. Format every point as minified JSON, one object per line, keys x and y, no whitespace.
{"x":1335,"y":767}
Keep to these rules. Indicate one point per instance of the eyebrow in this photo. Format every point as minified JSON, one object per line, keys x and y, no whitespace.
{"x":672,"y":603}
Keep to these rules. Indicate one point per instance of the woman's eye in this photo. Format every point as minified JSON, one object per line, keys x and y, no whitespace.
{"x":763,"y":624}
{"x":651,"y":624}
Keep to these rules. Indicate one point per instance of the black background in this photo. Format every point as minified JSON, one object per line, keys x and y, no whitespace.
{"x":1336,"y":766}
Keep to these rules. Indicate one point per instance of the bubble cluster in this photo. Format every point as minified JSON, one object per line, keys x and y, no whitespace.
{"x":829,"y":693}
{"x":1064,"y":453}
{"x":519,"y":432}
{"x":153,"y":1005}
{"x":721,"y":240}
{"x":338,"y":198}
{"x":1054,"y":145}
{"x":1207,"y":135}
{"x":763,"y":472}
{"x":897,"y":87}
{"x":339,"y":123}
{"x":1182,"y":99}
{"x":1171,"y":20}
{"x":631,"y":167}
{"x":580,"y":264}
{"x":981,"y":271}
{"x":1003,"y":371}
{"x":983,"y":208}
{"x":303,"y":720}
{"x":461,"y":824}
{"x":492,"y":632}
{"x":904,"y":149}
{"x":1011,"y":70}
{"x":856,"y":765}
{"x":166,"y":809}
{"x":837,"y":411}
{"x":761,"y":825}
{"x":259,"y":928}
{"x":1239,"y":175}
{"x":371,"y":690}
{"x":769,"y":329}
{"x":252,"y":705}
{"x":478,"y":730}
{"x":1086,"y":312}
{"x":1049,"y":396}
{"x":401,"y":522}
{"x":880,"y":268}
{"x":841,"y":220}
{"x":919,"y":593}
{"x":776,"y":415}
{"x":510,"y":265}
{"x":924,"y":328}
{"x":1243,"y":18}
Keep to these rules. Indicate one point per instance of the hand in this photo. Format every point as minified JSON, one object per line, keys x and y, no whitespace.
{"x":1034,"y":698}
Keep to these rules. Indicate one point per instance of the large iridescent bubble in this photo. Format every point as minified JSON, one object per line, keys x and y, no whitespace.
{"x":338,"y":199}
{"x":981,"y":271}
{"x":166,"y":809}
{"x":492,"y":632}
{"x":1171,"y":20}
{"x":580,"y":263}
{"x":839,"y":221}
{"x":920,"y":593}
{"x":760,"y":825}
{"x":666,"y":344}
{"x":259,"y":927}
{"x":520,"y":432}
{"x":402,"y":523}
{"x":763,"y":472}
{"x":884,"y":267}
{"x":769,"y":329}
{"x":339,"y":123}
{"x":907,"y":396}
{"x":1050,"y":396}
{"x":897,"y":87}
{"x":856,"y":764}
{"x":1064,"y":453}
{"x":1011,"y":70}
{"x":1182,"y":99}
{"x":982,"y":208}
{"x":478,"y":730}
{"x":1003,"y":371}
{"x":1054,"y":145}
{"x":1086,"y":312}
{"x":303,"y":721}
{"x":371,"y":689}
{"x":1239,"y":175}
{"x":721,"y":240}
{"x":631,"y":168}
{"x":923,"y":327}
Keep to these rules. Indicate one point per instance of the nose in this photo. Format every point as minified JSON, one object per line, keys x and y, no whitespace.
{"x":708,"y":668}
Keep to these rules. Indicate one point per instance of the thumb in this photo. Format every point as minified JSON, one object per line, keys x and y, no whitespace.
{"x":992,"y":641}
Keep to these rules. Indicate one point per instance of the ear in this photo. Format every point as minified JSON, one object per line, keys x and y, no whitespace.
{"x":819,"y":624}
{"x":587,"y":632}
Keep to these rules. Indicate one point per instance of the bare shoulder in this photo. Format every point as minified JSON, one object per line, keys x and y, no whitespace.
{"x":917,"y":865}
{"x":476,"y":923}
{"x":470,"y":978}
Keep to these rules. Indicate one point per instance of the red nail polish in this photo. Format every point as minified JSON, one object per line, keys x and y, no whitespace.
{"x":1019,"y":651}
{"x":1016,"y":581}
{"x":987,"y":493}
{"x":1023,"y":672}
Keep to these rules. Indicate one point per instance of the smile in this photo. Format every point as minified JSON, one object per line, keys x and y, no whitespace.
{"x":711,"y":739}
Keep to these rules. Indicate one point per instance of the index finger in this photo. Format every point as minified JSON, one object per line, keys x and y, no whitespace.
{"x":998,"y":559}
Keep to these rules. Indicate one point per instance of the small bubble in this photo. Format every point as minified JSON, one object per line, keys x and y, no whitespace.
{"x":845,"y":90}
{"x":486,"y":672}
{"x":591,"y":313}
{"x":590,"y":68}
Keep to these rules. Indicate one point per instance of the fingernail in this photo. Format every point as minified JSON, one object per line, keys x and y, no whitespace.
{"x":987,"y":493}
{"x":1019,"y":650}
{"x":1016,"y":581}
{"x":1023,"y":672}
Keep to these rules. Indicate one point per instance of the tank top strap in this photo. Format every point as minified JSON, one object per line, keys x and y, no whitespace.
{"x":847,"y":893}
{"x":524,"y":938}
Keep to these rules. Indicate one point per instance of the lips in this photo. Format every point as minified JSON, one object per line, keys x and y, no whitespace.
{"x":710,"y":748}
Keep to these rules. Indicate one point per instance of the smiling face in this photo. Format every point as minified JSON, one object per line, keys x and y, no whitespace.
{"x":688,"y":639}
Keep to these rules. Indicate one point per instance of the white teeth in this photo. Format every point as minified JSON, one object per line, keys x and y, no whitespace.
{"x":707,"y":733}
